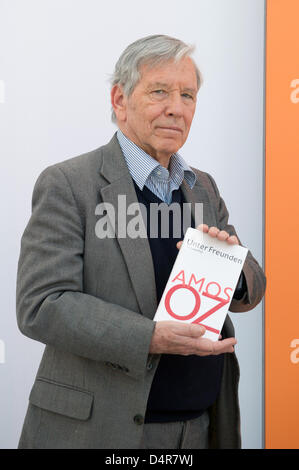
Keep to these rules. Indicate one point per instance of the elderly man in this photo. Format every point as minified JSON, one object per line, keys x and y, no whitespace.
{"x":110,"y":377}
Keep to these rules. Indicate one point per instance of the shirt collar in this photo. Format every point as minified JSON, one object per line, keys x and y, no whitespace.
{"x":141,"y":164}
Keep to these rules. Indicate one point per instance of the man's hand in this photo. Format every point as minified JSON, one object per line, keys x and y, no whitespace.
{"x":215,"y":233}
{"x":172,"y":337}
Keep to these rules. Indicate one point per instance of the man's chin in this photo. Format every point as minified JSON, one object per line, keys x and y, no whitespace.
{"x":169,"y":150}
{"x":169,"y":146}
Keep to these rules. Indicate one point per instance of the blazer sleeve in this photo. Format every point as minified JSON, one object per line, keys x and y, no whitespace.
{"x":253,"y":273}
{"x":50,"y":303}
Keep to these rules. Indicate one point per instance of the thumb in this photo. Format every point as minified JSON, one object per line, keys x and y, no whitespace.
{"x":196,"y":330}
{"x":192,"y":330}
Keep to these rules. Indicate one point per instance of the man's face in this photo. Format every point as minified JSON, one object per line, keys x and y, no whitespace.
{"x":158,"y":115}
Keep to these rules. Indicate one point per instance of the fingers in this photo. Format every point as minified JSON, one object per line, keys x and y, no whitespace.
{"x":233,"y":240}
{"x":221,"y":235}
{"x":206,"y":347}
{"x":203,"y":227}
{"x":215,"y":232}
{"x":214,"y":348}
{"x":224,"y":346}
{"x":191,"y":330}
{"x":172,"y":337}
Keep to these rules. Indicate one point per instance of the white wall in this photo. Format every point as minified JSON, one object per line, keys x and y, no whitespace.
{"x":55,"y":61}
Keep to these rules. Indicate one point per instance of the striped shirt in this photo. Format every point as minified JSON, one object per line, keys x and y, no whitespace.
{"x":146,"y":171}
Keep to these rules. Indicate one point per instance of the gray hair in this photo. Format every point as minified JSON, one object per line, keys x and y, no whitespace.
{"x":151,"y":50}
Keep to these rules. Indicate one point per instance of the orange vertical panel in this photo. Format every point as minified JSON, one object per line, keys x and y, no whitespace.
{"x":282,"y":225}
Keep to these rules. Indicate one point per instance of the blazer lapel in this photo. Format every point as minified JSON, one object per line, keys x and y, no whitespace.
{"x":198,"y":194}
{"x":136,"y":251}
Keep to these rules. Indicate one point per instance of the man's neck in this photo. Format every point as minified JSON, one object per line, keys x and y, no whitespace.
{"x":162,"y":158}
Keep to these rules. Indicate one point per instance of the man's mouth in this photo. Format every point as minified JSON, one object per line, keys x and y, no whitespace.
{"x":171,"y":129}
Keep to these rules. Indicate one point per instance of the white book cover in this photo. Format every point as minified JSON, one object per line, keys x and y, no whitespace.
{"x":202,"y":282}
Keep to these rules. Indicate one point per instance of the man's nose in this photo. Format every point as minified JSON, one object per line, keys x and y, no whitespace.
{"x":174,"y":105}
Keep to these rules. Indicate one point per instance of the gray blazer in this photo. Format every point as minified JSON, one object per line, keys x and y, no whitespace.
{"x":91,"y":302}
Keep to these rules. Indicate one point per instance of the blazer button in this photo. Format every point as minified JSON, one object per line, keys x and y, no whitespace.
{"x":149,"y":366}
{"x":138,"y":419}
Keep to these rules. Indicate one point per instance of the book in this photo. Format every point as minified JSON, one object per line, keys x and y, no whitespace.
{"x":202,"y":282}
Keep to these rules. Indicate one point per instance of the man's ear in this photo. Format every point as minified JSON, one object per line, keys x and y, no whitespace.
{"x":119,"y":102}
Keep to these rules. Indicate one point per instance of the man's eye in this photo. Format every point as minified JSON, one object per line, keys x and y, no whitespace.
{"x":159,"y":92}
{"x":186,"y":95}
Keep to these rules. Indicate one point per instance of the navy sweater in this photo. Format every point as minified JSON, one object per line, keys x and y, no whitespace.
{"x":183,"y":386}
